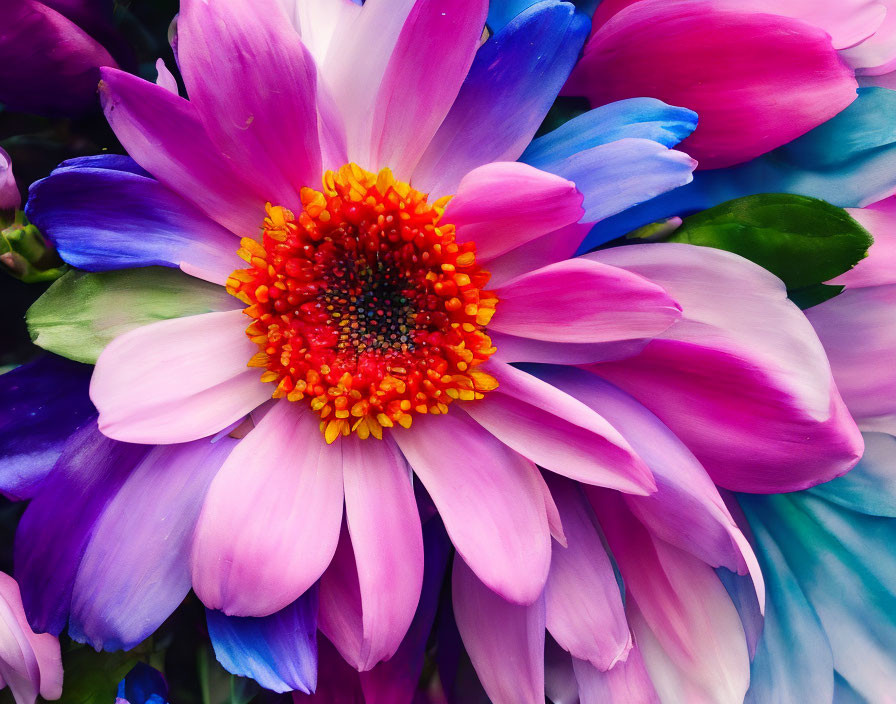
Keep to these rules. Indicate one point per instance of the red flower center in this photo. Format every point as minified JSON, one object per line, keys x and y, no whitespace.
{"x":365,"y":306}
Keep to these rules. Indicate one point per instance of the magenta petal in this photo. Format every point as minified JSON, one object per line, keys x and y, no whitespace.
{"x":584,"y":605}
{"x":685,"y":607}
{"x":177,"y":380}
{"x":756,"y":80}
{"x":423,"y":78}
{"x":503,"y":205}
{"x":164,"y":134}
{"x":553,"y":247}
{"x":742,"y":378}
{"x":583,"y":301}
{"x":281,"y":474}
{"x":254,"y":87}
{"x":490,"y":499}
{"x":557,"y":432}
{"x":387,"y":544}
{"x":505,"y":641}
{"x":340,"y":618}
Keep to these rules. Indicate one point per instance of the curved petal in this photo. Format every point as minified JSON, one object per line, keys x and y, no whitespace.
{"x":503,"y":205}
{"x":490,"y":499}
{"x":10,"y":199}
{"x":582,"y":301}
{"x":550,"y":248}
{"x":724,"y":63}
{"x":879,"y":267}
{"x":741,"y":379}
{"x":627,"y":682}
{"x":616,"y":176}
{"x":422,"y":79}
{"x":557,"y":432}
{"x":683,"y":605}
{"x":135,"y":570}
{"x":582,"y":599}
{"x":177,"y":380}
{"x":277,"y":651}
{"x":19,"y":668}
{"x":386,"y":538}
{"x":101,"y":219}
{"x":57,"y":525}
{"x":858,"y":332}
{"x":284,"y":474}
{"x":511,"y":348}
{"x":254,"y":87}
{"x":61,"y":81}
{"x":166,"y":137}
{"x":505,"y":641}
{"x":512,"y":83}
{"x":638,"y":118}
{"x":44,"y":402}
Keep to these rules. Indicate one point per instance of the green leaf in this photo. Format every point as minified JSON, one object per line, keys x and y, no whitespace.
{"x":804,"y":241}
{"x":92,"y":677}
{"x":218,"y":685}
{"x":81,"y":312}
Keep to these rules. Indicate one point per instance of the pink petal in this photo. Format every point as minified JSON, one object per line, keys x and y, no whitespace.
{"x":281,"y":474}
{"x":626,"y":682}
{"x":725,"y":63}
{"x":388,"y":546}
{"x":877,"y":54}
{"x":684,"y":605}
{"x":858,"y":331}
{"x":254,"y":87}
{"x":18,"y":663}
{"x":428,"y":65}
{"x":580,"y":300}
{"x":490,"y":499}
{"x":505,"y":641}
{"x":557,"y":432}
{"x":165,"y":79}
{"x":554,"y":247}
{"x":511,"y":348}
{"x":584,"y":606}
{"x":503,"y":205}
{"x":164,"y":134}
{"x":177,"y":380}
{"x":319,"y":20}
{"x":879,"y":267}
{"x":686,"y":510}
{"x":340,"y":618}
{"x":741,"y":379}
{"x":44,"y":647}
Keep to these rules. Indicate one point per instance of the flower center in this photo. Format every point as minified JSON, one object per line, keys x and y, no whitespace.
{"x":365,"y":305}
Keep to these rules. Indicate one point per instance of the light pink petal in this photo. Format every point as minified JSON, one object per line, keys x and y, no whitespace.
{"x":340,"y":616}
{"x":284,"y":475}
{"x":164,"y":77}
{"x":318,"y":20}
{"x":684,"y":605}
{"x":10,"y":198}
{"x":879,"y":267}
{"x":356,"y":60}
{"x":511,"y":348}
{"x":686,"y":510}
{"x":505,"y":641}
{"x":490,"y":499}
{"x":164,"y":134}
{"x":583,"y":301}
{"x":254,"y":85}
{"x":858,"y":331}
{"x":177,"y":380}
{"x":554,"y":247}
{"x":742,"y":378}
{"x":584,"y":605}
{"x":503,"y":205}
{"x":387,"y":542}
{"x":877,"y":54}
{"x":43,"y":646}
{"x":18,"y":663}
{"x":557,"y":432}
{"x":627,"y":682}
{"x":554,"y":521}
{"x":726,"y":63}
{"x":431,"y":58}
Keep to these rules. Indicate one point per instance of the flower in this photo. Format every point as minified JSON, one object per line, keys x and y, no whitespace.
{"x":30,"y":663}
{"x":374,"y":161}
{"x":51,"y":52}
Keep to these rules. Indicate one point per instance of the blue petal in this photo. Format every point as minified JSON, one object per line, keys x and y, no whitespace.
{"x":845,"y":565}
{"x":793,"y":656}
{"x":644,"y":118}
{"x":279,"y":651}
{"x":144,"y":684}
{"x":44,"y":402}
{"x":502,"y":12}
{"x":849,"y":161}
{"x":512,"y":83}
{"x":870,"y":487}
{"x":102,"y":218}
{"x":615,"y":176}
{"x":113,"y":162}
